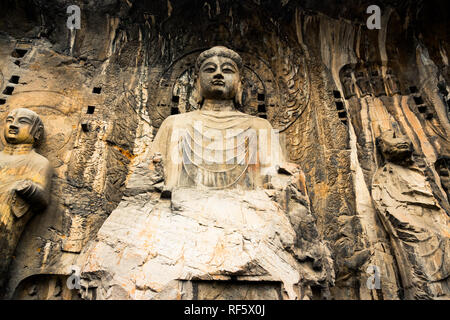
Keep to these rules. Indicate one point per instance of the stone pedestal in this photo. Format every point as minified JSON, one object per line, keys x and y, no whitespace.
{"x":201,"y":244}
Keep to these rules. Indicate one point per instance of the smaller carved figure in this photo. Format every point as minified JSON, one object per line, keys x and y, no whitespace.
{"x":363,"y":84}
{"x":418,"y":227}
{"x":348,"y":84}
{"x":443,"y":169}
{"x":25,"y":178}
{"x":377,"y":84}
{"x":392,"y":83}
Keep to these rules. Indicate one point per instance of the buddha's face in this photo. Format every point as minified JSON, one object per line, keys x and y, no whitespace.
{"x":395,"y":147}
{"x":219,"y":78}
{"x":18,"y":127}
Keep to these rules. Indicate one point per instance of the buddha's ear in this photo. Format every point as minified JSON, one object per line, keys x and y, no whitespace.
{"x":196,"y":93}
{"x":239,"y":94}
{"x":38,"y":133}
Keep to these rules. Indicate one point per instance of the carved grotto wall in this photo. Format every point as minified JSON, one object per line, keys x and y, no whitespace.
{"x":315,"y":71}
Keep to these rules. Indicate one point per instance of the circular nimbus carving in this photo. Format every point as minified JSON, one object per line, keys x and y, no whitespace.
{"x":279,"y":95}
{"x":2,"y":80}
{"x":295,"y":85}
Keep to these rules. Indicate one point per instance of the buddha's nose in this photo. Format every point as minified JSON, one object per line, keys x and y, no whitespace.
{"x":218,"y":75}
{"x":12,"y":129}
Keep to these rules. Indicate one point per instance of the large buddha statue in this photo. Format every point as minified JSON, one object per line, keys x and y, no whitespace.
{"x":211,"y":210}
{"x":25,"y":178}
{"x":217,"y":146}
{"x":418,"y":227}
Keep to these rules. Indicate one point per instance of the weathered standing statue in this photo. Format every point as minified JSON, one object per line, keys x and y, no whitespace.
{"x":377,"y":83}
{"x":443,"y":169}
{"x":363,"y":83}
{"x":392,"y":83}
{"x":419,"y":228}
{"x":232,"y":213}
{"x":348,"y":85}
{"x":25,"y":178}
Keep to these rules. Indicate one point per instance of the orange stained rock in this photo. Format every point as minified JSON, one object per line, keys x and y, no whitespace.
{"x":322,"y":189}
{"x":126,"y":153}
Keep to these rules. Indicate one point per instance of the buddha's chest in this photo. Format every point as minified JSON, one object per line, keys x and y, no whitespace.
{"x":14,"y":168}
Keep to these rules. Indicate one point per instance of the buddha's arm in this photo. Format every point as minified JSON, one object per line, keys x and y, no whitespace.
{"x":163,"y":149}
{"x":161,"y":141}
{"x":32,"y":193}
{"x":287,"y":173}
{"x":36,"y":192}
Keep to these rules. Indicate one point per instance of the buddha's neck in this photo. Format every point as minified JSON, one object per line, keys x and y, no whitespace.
{"x":218,"y":105}
{"x":13,"y":149}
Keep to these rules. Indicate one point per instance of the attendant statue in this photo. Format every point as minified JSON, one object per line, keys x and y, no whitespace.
{"x":392,"y":83}
{"x":377,"y":84}
{"x":419,"y":228}
{"x":348,"y":85}
{"x":25,"y":178}
{"x":363,"y":84}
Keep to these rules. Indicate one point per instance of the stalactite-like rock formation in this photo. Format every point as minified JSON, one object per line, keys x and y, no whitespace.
{"x":331,"y":86}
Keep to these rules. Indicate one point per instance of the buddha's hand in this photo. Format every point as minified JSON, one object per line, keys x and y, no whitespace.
{"x":24,"y":188}
{"x":297,"y":176}
{"x":289,"y":168}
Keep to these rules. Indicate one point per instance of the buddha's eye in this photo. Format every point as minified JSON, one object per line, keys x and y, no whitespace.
{"x":209,"y":69}
{"x":228,"y":70}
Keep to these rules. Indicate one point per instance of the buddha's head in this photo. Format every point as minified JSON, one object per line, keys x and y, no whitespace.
{"x":394,"y":147}
{"x":219,"y":75}
{"x":23,"y":126}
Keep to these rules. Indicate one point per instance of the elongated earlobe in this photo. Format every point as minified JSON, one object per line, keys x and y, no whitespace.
{"x":38,"y":135}
{"x":196,"y":94}
{"x":239,"y":92}
{"x":37,"y":131}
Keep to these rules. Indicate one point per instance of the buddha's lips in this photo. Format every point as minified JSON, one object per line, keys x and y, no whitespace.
{"x":13,"y":131}
{"x":218,"y":82}
{"x":403,"y":146}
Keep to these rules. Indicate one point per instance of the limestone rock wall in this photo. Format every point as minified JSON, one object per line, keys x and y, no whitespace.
{"x":314,"y":71}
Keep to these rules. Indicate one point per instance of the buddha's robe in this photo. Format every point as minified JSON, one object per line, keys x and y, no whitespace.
{"x":18,"y":164}
{"x":419,"y":227}
{"x":218,"y":150}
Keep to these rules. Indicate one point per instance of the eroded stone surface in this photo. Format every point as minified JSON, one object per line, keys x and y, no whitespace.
{"x":212,"y":235}
{"x":302,"y":60}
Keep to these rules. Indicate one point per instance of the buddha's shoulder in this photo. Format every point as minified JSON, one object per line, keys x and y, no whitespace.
{"x":261,"y":123}
{"x":184,"y":118}
{"x":175,"y":118}
{"x":39,"y":160}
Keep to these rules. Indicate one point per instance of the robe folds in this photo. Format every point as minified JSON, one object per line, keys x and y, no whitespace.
{"x":16,"y":165}
{"x":420,"y":228}
{"x":218,"y":150}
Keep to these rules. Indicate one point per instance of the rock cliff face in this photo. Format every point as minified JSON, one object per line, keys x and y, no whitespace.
{"x":313,"y":70}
